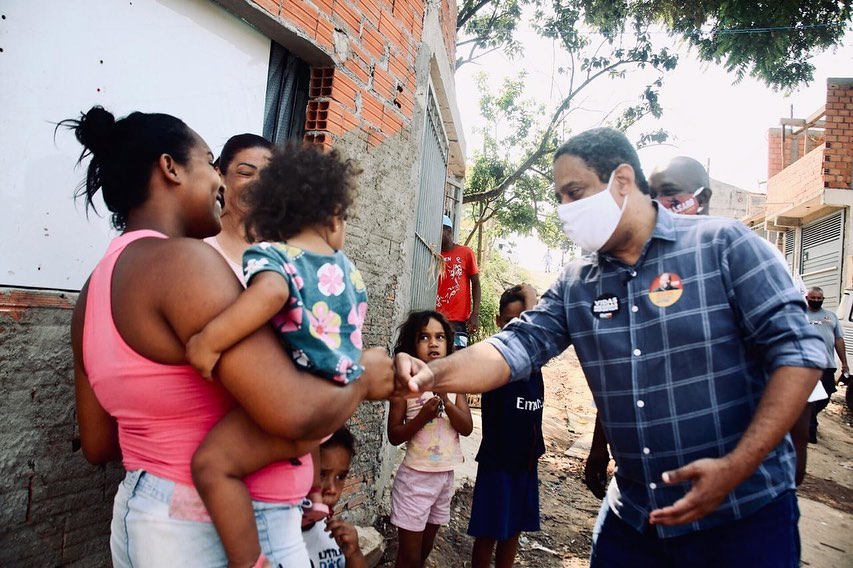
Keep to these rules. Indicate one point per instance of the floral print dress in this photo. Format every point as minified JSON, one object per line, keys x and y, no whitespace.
{"x":321,"y":323}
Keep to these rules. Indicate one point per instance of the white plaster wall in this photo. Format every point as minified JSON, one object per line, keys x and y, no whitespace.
{"x":189,"y":58}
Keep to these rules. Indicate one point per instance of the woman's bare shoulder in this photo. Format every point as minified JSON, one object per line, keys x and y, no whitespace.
{"x":193,"y":281}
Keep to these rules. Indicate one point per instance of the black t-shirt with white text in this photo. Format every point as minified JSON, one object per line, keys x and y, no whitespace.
{"x":512,"y":425}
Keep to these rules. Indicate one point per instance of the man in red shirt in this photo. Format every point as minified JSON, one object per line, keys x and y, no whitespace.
{"x":458,"y":296}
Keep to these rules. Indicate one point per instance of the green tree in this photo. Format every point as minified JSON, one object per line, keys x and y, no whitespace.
{"x":505,"y":196}
{"x":508,"y":182}
{"x":772,"y":41}
{"x":487,"y":25}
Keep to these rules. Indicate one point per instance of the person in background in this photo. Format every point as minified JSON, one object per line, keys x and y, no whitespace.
{"x":830,"y":331}
{"x":240,"y":162}
{"x":333,"y":542}
{"x":430,"y":425}
{"x":506,"y":493}
{"x":681,"y":185}
{"x":458,"y":297}
{"x":696,"y":389}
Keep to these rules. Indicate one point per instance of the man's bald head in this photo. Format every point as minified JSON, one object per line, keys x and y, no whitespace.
{"x":681,"y":176}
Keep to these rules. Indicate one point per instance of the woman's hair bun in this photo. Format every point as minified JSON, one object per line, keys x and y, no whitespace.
{"x":94,"y":129}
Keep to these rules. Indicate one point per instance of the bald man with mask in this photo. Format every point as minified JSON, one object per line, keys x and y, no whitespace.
{"x":681,"y":185}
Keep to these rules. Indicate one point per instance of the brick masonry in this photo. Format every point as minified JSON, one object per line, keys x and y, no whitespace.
{"x":823,"y":160}
{"x":54,"y":506}
{"x":838,"y":155}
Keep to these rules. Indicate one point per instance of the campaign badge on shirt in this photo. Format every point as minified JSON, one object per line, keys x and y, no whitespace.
{"x":606,"y":306}
{"x":665,"y":289}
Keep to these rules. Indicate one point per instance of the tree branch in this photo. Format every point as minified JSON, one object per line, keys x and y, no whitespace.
{"x":468,"y":11}
{"x":542,"y":148}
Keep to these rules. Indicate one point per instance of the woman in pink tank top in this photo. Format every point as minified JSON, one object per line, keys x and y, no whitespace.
{"x":137,"y":399}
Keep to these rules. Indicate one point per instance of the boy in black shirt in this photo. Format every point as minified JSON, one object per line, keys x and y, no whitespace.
{"x":506,"y":493}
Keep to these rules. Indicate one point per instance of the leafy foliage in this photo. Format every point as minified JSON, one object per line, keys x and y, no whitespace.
{"x":509,"y":179}
{"x":497,"y":274}
{"x":513,"y":131}
{"x":772,"y":41}
{"x":487,"y":25}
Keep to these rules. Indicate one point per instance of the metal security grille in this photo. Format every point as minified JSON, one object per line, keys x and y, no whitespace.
{"x":453,"y":203}
{"x":789,"y":249}
{"x":425,"y":265}
{"x":822,"y":255}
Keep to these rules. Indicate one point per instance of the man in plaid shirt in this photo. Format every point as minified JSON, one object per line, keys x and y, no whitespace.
{"x":697,"y":381}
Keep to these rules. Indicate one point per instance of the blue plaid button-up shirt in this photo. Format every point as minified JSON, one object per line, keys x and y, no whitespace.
{"x":676,"y":364}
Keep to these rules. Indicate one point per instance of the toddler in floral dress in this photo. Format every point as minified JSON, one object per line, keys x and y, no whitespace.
{"x":300,"y":282}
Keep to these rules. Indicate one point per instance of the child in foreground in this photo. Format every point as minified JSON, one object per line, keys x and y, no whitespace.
{"x":300,"y":282}
{"x":334,"y":541}
{"x":506,"y":493}
{"x":430,"y":425}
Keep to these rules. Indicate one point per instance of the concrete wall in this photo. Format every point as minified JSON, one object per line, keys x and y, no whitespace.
{"x":370,"y":105}
{"x":733,"y":202}
{"x":54,"y":507}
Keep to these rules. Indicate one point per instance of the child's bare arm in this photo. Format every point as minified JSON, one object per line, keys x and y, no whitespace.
{"x":399,"y":429}
{"x":459,"y":413}
{"x":265,"y":296}
{"x":233,"y":449}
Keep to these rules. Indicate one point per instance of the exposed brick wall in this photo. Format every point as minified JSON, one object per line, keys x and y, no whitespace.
{"x":828,"y":161}
{"x":447,"y":19}
{"x":377,"y":42}
{"x":779,"y":158}
{"x":798,"y":182}
{"x":838,"y":156}
{"x":775,"y":160}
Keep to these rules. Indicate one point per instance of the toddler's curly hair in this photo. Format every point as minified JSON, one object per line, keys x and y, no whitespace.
{"x":300,"y":186}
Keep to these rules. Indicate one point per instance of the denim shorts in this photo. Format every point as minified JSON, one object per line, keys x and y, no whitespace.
{"x":157,"y":522}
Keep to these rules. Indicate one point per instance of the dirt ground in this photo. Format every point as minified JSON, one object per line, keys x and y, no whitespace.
{"x":568,"y":509}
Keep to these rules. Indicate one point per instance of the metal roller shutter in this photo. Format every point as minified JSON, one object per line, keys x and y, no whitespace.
{"x":821,"y":257}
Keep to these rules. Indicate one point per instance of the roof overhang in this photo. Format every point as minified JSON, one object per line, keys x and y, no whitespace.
{"x":797,"y":214}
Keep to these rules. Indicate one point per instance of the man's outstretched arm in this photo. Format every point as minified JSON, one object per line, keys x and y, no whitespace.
{"x":476,"y":369}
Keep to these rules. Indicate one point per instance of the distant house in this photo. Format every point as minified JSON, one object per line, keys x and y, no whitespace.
{"x":733,"y":202}
{"x":809,"y":192}
{"x":374,"y":78}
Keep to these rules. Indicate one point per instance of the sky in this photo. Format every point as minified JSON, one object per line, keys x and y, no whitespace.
{"x":722,"y":125}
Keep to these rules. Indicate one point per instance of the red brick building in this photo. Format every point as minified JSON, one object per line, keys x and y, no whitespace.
{"x":810,"y":170}
{"x":374,"y":78}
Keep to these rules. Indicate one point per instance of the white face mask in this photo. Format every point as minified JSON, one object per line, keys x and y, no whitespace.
{"x":591,"y":221}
